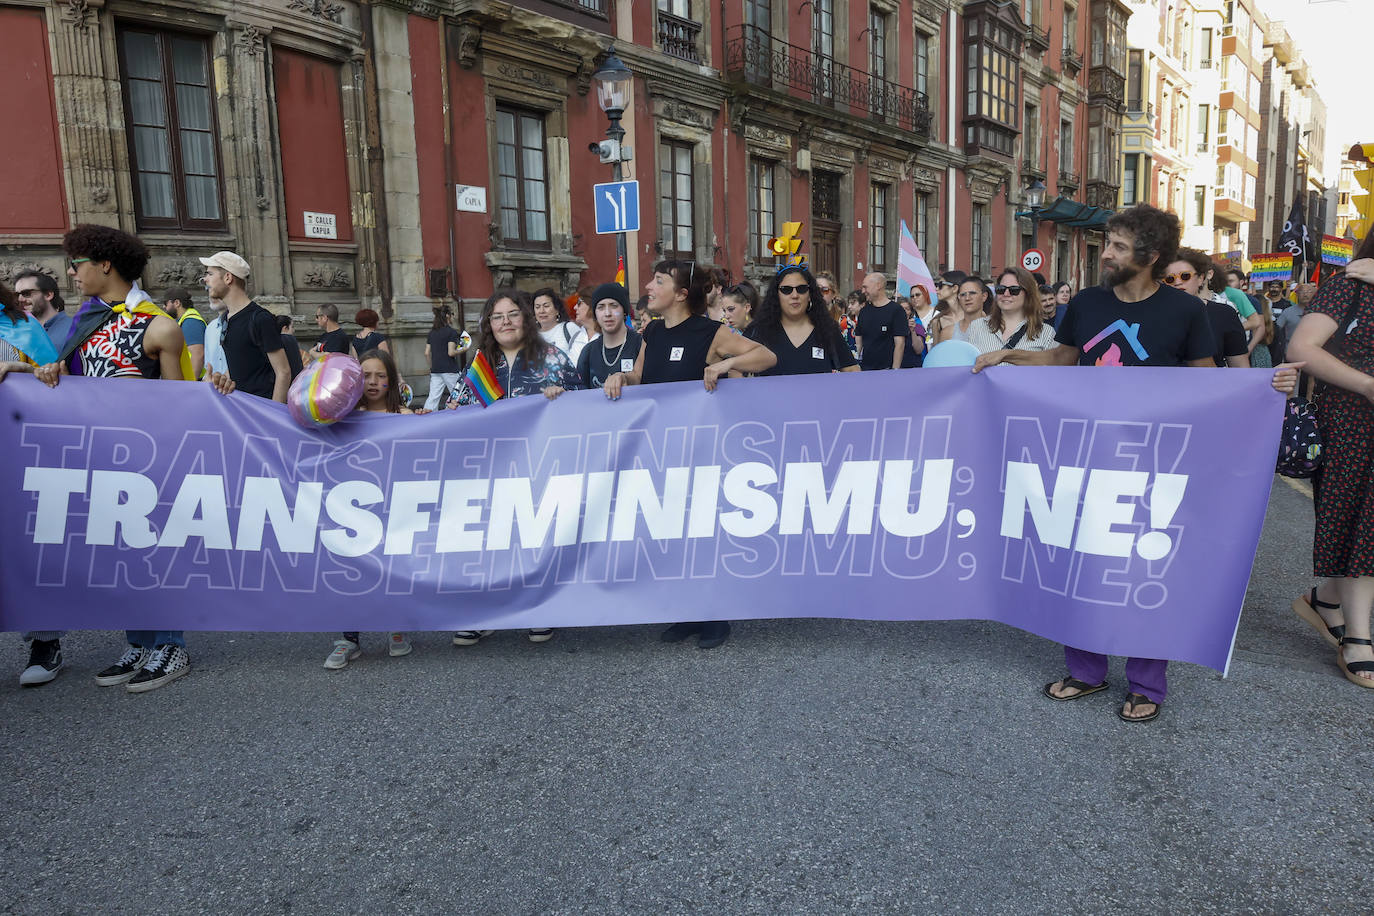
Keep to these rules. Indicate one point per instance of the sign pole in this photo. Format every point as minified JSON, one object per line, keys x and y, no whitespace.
{"x":617,"y":133}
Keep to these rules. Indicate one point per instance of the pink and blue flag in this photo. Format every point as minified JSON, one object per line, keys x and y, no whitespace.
{"x":911,"y":267}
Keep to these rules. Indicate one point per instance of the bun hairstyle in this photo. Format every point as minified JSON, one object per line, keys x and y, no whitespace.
{"x":686,"y":276}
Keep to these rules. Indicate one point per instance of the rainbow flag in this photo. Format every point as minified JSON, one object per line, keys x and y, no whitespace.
{"x":911,"y":267}
{"x":620,"y":271}
{"x":481,"y":380}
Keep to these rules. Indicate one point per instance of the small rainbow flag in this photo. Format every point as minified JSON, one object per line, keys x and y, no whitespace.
{"x":481,"y":380}
{"x":620,"y":271}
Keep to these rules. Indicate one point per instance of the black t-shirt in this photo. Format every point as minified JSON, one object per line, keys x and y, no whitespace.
{"x":367,"y":342}
{"x":249,"y":335}
{"x":813,"y":356}
{"x":1227,"y":330}
{"x":879,"y":326}
{"x":1168,"y":328}
{"x":293,"y":354}
{"x":598,"y":362}
{"x":335,"y":341}
{"x":678,"y":354}
{"x":440,"y":363}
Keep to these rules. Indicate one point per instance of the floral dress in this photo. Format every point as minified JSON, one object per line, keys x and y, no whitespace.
{"x":527,"y":378}
{"x":1343,"y":544}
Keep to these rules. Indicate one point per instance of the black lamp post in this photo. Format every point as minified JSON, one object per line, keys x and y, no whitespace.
{"x":1035,"y":201}
{"x":613,"y":80}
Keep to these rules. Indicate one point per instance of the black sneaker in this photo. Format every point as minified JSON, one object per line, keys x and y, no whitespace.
{"x":134,"y":658}
{"x":680,"y":631}
{"x":166,"y":664}
{"x":713,"y":634}
{"x":45,"y":660}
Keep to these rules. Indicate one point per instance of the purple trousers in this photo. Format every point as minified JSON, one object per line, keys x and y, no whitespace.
{"x":1143,"y":675}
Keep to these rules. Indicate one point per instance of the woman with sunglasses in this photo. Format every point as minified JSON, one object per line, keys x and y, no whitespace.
{"x":794,"y":323}
{"x":1017,"y":322}
{"x":685,"y":345}
{"x":970,"y":300}
{"x":1189,"y":272}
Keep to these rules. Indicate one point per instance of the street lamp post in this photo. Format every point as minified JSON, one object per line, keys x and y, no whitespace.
{"x":613,"y":80}
{"x":1035,"y":200}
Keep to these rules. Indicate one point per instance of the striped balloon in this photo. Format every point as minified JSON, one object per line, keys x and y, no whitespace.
{"x":326,"y":391}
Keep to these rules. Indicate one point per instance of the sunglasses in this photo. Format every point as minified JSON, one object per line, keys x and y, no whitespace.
{"x":1012,"y":290}
{"x":801,"y":289}
{"x":945,"y":284}
{"x":75,"y":261}
{"x":1180,"y":277}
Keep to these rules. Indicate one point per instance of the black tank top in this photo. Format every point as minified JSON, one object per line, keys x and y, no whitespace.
{"x":677,"y":354}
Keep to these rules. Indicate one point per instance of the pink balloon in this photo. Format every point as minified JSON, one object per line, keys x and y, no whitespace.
{"x":326,"y":391}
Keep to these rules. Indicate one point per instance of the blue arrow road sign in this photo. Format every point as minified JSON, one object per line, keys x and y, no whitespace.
{"x":617,"y":207}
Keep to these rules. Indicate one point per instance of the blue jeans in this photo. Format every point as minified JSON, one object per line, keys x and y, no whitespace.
{"x":147,"y":639}
{"x":44,"y":635}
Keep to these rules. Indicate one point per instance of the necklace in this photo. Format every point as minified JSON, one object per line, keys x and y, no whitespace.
{"x":612,"y":362}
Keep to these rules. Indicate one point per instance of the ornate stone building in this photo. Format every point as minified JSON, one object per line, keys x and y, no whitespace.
{"x":399,"y":153}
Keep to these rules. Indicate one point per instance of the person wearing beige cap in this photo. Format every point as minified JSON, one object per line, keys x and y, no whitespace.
{"x":250,"y":338}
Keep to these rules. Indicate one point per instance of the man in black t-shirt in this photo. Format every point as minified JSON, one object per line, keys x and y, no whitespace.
{"x":1131,"y":320}
{"x":251,"y":341}
{"x":882,"y":328}
{"x":333,"y":338}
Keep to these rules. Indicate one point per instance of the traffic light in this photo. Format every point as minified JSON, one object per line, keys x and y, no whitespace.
{"x":1362,"y":196}
{"x":786,"y":245}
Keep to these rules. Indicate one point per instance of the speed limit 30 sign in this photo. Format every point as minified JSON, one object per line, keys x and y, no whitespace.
{"x":1033,"y":260}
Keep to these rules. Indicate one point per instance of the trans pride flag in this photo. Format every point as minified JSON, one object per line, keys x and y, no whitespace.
{"x":481,"y":379}
{"x":911,"y":267}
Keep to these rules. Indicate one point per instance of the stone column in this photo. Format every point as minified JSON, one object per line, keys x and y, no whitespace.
{"x":90,"y":114}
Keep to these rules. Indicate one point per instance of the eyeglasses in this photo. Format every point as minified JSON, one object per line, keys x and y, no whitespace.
{"x":75,"y":261}
{"x":825,"y":290}
{"x":28,"y":292}
{"x":1181,"y":277}
{"x":1012,"y":290}
{"x":945,"y":284}
{"x":969,"y":292}
{"x":801,"y":289}
{"x":505,"y":318}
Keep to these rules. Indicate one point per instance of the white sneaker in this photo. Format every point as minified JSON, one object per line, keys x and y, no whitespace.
{"x":399,"y":645}
{"x":345,"y":650}
{"x":540,"y":635}
{"x":470,"y":637}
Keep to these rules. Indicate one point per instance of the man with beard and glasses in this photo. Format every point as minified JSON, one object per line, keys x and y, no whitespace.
{"x":1130,"y":320}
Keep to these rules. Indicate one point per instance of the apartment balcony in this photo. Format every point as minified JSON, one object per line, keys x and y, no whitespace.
{"x":678,"y":37}
{"x":1031,"y":170}
{"x":1069,"y":181}
{"x":1106,"y":88}
{"x":1037,"y":37}
{"x":1231,"y":210}
{"x":1072,"y":61}
{"x":1102,"y":194}
{"x":755,"y":58}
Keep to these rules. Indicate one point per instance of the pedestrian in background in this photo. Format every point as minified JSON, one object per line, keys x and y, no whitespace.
{"x":290,"y":346}
{"x":176,"y":300}
{"x":738,"y":304}
{"x":333,"y":338}
{"x":367,"y":337}
{"x":1016,"y":323}
{"x":444,"y":349}
{"x":971,"y":298}
{"x":38,"y":293}
{"x":250,"y":338}
{"x":555,"y":328}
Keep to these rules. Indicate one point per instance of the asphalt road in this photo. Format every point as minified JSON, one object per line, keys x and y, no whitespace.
{"x":808,"y":766}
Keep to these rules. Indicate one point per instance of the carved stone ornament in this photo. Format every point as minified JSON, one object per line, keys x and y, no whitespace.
{"x":178,"y":272}
{"x":469,"y":37}
{"x":11,"y":269}
{"x":494,"y":238}
{"x":250,"y":42}
{"x":881,"y":164}
{"x":528,"y":75}
{"x":584,"y":76}
{"x":767,"y":136}
{"x":322,"y":276}
{"x":982,"y":191}
{"x":930,"y":9}
{"x":100,"y":194}
{"x":264,"y":204}
{"x":739,"y":111}
{"x":320,"y":9}
{"x":78,"y":13}
{"x":502,"y":278}
{"x":686,"y":114}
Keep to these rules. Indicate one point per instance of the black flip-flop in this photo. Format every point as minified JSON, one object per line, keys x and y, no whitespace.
{"x":1133,"y":700}
{"x":1083,"y":687}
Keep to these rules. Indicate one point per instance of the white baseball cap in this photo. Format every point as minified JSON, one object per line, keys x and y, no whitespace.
{"x":228,"y":262}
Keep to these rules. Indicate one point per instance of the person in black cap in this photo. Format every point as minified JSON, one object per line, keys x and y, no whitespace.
{"x":615,"y":350}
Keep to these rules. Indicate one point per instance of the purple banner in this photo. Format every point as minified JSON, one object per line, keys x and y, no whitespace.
{"x":1115,"y":511}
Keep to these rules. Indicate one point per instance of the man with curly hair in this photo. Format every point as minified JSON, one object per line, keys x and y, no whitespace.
{"x":120,"y":333}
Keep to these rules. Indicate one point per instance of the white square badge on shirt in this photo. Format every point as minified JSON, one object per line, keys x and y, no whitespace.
{"x":675,"y":355}
{"x":627,"y":365}
{"x":817,"y":353}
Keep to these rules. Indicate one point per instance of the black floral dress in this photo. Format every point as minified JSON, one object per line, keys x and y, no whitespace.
{"x":1343,"y":544}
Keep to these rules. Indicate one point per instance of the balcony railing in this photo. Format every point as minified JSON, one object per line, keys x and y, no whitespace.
{"x":1205,"y":63}
{"x":678,"y":37}
{"x":1068,"y":178}
{"x":1072,"y":59}
{"x":1037,"y":37}
{"x":754,"y":56}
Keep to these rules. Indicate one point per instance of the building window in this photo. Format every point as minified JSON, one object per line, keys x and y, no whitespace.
{"x":675,"y":196}
{"x":1205,"y":49}
{"x":880,"y":99}
{"x":992,"y":51}
{"x":1066,"y":146}
{"x":1204,"y":119}
{"x":1070,"y":28}
{"x":1135,"y":79}
{"x":923,"y":64}
{"x":1030,"y":137}
{"x":1199,"y":205}
{"x":823,"y":29}
{"x":877,"y":228}
{"x":761,"y":205}
{"x":977,"y":259}
{"x":522,"y":177}
{"x":173,"y":141}
{"x":680,"y":8}
{"x":1128,"y":180}
{"x":923,"y":224}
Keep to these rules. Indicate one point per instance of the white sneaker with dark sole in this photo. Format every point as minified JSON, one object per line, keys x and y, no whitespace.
{"x":166,"y":664}
{"x":399,"y":645}
{"x":542,"y":635}
{"x":345,"y":650}
{"x":470,"y":637}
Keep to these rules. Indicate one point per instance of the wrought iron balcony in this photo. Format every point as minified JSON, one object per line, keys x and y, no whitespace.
{"x":1037,"y":37}
{"x":1072,"y":60}
{"x":754,"y":56}
{"x":1068,"y":179}
{"x":678,"y":37}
